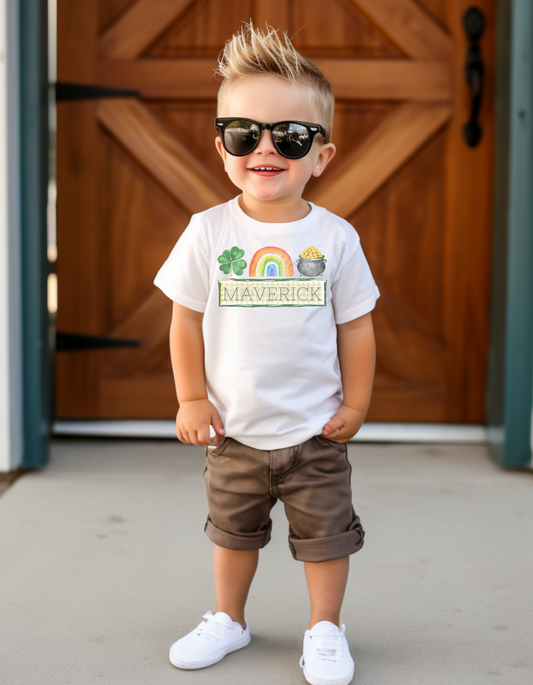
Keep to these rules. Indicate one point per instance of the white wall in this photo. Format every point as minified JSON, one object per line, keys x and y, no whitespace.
{"x":10,"y":318}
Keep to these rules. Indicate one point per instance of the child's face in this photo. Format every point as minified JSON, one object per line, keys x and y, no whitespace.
{"x":269,"y":99}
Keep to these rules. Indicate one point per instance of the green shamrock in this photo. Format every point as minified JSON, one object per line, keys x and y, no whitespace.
{"x":229,"y":260}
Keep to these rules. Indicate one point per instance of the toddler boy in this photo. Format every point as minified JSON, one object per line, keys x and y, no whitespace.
{"x":273,"y":351}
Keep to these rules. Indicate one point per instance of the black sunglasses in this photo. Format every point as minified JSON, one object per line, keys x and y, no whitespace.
{"x":292,"y":139}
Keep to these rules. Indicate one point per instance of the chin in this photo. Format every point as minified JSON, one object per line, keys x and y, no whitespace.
{"x":271,"y":195}
{"x":266,"y":194}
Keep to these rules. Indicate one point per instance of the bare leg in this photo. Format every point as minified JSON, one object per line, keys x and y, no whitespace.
{"x":326,"y":583}
{"x":234,"y":572}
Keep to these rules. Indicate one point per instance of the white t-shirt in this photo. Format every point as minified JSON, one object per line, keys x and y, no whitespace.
{"x":270,"y":338}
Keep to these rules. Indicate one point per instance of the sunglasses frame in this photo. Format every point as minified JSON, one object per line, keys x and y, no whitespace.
{"x":221,"y":123}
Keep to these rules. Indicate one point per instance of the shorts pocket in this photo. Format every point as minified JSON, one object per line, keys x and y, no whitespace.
{"x":217,"y":450}
{"x":330,"y":443}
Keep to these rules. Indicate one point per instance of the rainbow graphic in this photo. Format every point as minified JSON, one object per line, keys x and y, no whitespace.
{"x":271,"y":262}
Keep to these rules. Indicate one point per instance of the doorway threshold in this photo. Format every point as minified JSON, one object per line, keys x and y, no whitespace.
{"x":370,"y":432}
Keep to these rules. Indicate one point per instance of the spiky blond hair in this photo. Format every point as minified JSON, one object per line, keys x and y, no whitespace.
{"x":252,"y":52}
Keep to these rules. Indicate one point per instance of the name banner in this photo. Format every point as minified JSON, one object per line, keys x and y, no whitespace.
{"x":262,"y":292}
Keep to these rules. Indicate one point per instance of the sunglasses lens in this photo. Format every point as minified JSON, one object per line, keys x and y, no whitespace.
{"x":241,"y":136}
{"x":292,"y":140}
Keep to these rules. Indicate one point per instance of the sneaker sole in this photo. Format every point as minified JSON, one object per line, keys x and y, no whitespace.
{"x":192,"y":665}
{"x":321,"y":681}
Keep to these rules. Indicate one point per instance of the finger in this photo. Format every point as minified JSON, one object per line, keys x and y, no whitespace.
{"x":203,"y":434}
{"x":339,"y":436}
{"x":333,"y":425}
{"x":185,"y":437}
{"x":217,"y":424}
{"x":193,"y":435}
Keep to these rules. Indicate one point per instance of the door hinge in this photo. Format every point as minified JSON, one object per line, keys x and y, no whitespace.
{"x":67,"y":342}
{"x":83,"y":91}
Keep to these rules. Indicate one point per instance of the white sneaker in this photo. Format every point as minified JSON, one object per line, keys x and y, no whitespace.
{"x":326,"y":658}
{"x":209,"y":642}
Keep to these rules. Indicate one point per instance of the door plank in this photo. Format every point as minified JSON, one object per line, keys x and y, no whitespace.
{"x":139,"y":26}
{"x":388,"y":79}
{"x":274,"y":13}
{"x":469,"y":182}
{"x":162,"y":78}
{"x":389,"y":146}
{"x":146,"y":324}
{"x":351,"y":79}
{"x":407,"y":349}
{"x":162,"y":154}
{"x":140,"y":397}
{"x":393,"y":400}
{"x":408,"y":26}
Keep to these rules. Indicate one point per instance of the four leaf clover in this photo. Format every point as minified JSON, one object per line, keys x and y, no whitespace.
{"x":232,"y":260}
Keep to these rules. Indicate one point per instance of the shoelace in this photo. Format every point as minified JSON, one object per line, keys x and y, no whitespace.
{"x":328,"y":646}
{"x":212,"y":628}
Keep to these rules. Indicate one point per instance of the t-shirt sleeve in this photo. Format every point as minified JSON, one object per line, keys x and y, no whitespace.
{"x":184,"y":277}
{"x":353,"y":289}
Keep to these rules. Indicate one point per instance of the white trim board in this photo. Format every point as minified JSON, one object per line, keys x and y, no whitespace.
{"x":370,"y":432}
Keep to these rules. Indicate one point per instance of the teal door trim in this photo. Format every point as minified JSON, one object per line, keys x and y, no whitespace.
{"x":510,"y":373}
{"x":33,"y":27}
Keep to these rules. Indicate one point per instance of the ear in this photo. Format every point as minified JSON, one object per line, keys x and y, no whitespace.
{"x":220,"y":149}
{"x":325,"y":156}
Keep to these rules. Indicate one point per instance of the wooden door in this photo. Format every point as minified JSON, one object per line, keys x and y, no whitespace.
{"x":132,"y":171}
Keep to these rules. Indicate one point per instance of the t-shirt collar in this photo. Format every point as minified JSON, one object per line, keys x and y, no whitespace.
{"x":270,"y":228}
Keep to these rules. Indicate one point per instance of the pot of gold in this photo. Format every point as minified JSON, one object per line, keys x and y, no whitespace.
{"x":311,"y":262}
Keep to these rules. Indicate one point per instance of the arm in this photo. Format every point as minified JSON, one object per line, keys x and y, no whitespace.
{"x":196,"y":412}
{"x":357,"y":359}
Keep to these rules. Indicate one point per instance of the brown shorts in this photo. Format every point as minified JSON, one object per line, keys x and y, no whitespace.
{"x":311,"y":479}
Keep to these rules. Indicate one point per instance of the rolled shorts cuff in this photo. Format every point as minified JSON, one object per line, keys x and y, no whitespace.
{"x":327,"y":549}
{"x":244,"y":541}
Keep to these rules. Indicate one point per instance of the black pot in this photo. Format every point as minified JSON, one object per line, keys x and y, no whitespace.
{"x":311,"y":267}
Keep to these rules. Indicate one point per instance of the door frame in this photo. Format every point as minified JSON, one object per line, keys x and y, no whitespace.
{"x":510,"y":370}
{"x":36,"y":354}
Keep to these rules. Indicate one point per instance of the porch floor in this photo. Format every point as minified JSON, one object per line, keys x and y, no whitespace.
{"x":104,"y":563}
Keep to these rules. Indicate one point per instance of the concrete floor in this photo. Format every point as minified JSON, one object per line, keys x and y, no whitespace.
{"x":104,"y":563}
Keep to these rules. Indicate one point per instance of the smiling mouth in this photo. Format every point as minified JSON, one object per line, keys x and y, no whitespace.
{"x":266,"y":169}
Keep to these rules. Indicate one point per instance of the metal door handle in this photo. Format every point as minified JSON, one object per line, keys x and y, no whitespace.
{"x":474,"y":25}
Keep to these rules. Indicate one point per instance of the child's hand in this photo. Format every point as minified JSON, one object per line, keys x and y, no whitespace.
{"x":193,"y":421}
{"x":344,"y":425}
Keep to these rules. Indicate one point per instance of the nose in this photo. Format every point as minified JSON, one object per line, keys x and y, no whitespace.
{"x":266,"y":146}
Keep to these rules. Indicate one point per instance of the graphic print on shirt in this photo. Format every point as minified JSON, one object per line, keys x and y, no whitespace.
{"x":271,"y":262}
{"x":232,"y":259}
{"x":271,"y":281}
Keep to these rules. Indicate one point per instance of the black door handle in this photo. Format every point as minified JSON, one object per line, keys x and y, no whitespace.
{"x":474,"y":25}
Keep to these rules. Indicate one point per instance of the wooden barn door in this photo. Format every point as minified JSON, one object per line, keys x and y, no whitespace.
{"x":131,"y":171}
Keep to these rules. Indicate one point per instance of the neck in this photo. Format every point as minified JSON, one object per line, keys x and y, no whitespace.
{"x":281,"y":210}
